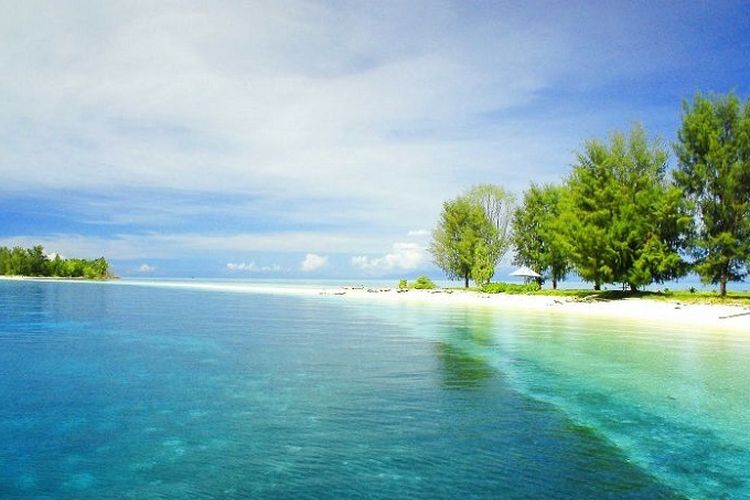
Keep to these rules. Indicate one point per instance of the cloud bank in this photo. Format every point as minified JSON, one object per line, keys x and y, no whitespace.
{"x":313,"y":262}
{"x":252,"y":267}
{"x":406,"y":256}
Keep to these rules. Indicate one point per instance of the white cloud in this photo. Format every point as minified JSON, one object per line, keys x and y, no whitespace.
{"x":242,"y":266}
{"x":418,"y":232}
{"x":145,"y":268}
{"x":406,"y":256}
{"x":313,"y":262}
{"x":159,"y":92}
{"x":252,"y":267}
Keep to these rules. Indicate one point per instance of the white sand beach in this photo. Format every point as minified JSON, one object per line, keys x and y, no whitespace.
{"x":642,"y":310}
{"x":653,"y":312}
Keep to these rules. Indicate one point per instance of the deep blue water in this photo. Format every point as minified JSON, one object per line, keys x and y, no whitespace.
{"x":111,"y":391}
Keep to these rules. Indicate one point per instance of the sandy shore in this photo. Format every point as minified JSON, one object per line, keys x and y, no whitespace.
{"x":652,"y":312}
{"x":637,"y":310}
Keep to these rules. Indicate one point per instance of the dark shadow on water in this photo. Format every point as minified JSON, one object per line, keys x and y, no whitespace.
{"x":462,"y":353}
{"x":539,"y":450}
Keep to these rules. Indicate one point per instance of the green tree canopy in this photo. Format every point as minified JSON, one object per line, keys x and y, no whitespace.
{"x":462,"y":229}
{"x":484,"y":265}
{"x":623,"y":221}
{"x":714,"y":171}
{"x":538,"y":235}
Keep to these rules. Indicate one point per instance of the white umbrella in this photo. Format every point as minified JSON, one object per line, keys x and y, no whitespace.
{"x":525,"y":272}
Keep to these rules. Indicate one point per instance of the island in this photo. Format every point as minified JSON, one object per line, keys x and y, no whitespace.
{"x":35,"y":262}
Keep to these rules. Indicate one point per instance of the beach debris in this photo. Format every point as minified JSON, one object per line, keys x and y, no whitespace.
{"x":591,"y":298}
{"x":746,"y":313}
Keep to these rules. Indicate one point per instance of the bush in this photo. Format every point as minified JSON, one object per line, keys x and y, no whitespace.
{"x":423,"y":283}
{"x":402,"y":285}
{"x":511,"y":287}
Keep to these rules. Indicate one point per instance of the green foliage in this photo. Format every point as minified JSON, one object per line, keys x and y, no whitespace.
{"x":473,"y":233}
{"x":621,"y":220}
{"x":423,"y":283}
{"x":34,"y":262}
{"x":538,"y":233}
{"x":402,"y":285}
{"x":714,"y":171}
{"x":511,"y":288}
{"x":484,"y":265}
{"x":462,"y":228}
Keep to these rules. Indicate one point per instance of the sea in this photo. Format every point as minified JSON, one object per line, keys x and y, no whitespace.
{"x":143,"y":389}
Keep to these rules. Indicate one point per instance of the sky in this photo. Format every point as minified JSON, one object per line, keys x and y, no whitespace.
{"x":304,"y":139}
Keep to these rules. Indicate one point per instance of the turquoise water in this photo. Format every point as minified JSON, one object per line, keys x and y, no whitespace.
{"x":111,"y":391}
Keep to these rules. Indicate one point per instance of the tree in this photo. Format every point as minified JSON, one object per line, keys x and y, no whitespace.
{"x":56,"y":266}
{"x":463,"y":227}
{"x":622,"y":219}
{"x":484,"y":265}
{"x":714,"y":170}
{"x":37,"y":261}
{"x":498,"y":205}
{"x":5,"y":256}
{"x":538,"y":233}
{"x":19,"y":263}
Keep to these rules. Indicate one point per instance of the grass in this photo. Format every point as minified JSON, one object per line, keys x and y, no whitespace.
{"x":683,"y":296}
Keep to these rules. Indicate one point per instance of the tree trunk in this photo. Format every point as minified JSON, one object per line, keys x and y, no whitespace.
{"x":723,"y":283}
{"x":597,"y":286}
{"x":466,"y":281}
{"x":633,"y":288}
{"x":554,"y":283}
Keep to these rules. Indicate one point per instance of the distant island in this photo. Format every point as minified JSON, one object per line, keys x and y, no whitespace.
{"x":18,"y":261}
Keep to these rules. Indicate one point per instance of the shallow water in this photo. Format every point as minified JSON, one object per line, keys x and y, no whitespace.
{"x":131,"y":392}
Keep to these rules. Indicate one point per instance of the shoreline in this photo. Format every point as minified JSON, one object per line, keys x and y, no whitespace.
{"x":655,"y":313}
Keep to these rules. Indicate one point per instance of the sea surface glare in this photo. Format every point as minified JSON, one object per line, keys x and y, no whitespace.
{"x":115,"y":391}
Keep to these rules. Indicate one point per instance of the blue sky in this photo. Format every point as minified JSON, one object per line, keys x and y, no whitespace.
{"x":319,"y":139}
